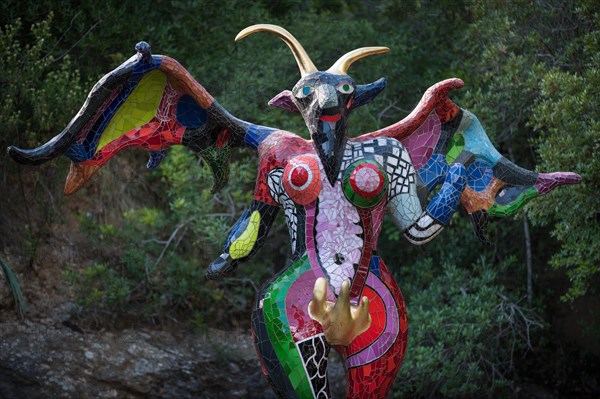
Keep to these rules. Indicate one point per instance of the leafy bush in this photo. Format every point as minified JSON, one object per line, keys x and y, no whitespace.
{"x":464,"y":333}
{"x":533,"y":79}
{"x":573,"y":143}
{"x":105,"y":288}
{"x":32,"y":85}
{"x":157,"y":256}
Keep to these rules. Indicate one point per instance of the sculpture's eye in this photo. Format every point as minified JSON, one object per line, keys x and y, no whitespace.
{"x":304,"y":91}
{"x":345,"y":88}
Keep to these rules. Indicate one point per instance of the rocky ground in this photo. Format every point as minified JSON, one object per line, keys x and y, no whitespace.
{"x":50,"y":361}
{"x":46,"y":354}
{"x":38,"y":360}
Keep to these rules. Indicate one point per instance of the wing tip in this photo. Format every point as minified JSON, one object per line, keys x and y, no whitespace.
{"x":24,"y":157}
{"x":547,"y":182}
{"x":78,"y":176}
{"x":447,"y":85}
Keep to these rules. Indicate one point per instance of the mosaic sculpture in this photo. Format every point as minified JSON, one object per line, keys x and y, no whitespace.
{"x":334,"y":191}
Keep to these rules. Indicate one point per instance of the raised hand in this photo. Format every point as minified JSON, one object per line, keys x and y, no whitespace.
{"x":341,"y":321}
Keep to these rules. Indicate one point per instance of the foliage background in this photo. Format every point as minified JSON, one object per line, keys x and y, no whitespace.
{"x":131,"y":248}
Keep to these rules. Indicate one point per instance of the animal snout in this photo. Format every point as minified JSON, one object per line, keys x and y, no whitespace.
{"x":326,"y":96}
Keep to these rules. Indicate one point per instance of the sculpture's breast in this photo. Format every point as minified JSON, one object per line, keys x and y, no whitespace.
{"x":302,"y":179}
{"x":364,"y":183}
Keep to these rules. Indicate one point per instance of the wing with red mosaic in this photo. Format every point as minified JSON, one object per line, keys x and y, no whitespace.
{"x":149,"y":102}
{"x":448,"y":147}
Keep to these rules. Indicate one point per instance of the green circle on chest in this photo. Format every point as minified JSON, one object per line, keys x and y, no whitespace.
{"x":364,"y":183}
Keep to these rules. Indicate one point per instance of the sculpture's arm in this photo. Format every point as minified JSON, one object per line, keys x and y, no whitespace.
{"x":448,"y":145}
{"x":420,"y":221}
{"x":246,"y":238}
{"x":250,"y":232}
{"x":439,"y":210}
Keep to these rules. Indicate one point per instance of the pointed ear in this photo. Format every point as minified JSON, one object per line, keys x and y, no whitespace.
{"x":284,"y":100}
{"x":366,"y":93}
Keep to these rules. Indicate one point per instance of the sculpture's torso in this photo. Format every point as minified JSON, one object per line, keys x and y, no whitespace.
{"x":343,"y":221}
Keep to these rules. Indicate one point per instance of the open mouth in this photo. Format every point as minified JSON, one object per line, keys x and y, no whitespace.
{"x":330,"y":118}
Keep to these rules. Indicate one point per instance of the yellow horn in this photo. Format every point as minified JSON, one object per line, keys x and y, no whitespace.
{"x":304,"y":63}
{"x":341,"y":66}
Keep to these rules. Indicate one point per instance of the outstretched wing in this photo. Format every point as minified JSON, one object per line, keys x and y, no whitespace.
{"x":438,"y":134}
{"x":151,"y":102}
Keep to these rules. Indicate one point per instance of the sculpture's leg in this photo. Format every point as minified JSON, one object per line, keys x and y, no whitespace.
{"x":374,"y":358}
{"x":291,"y":346}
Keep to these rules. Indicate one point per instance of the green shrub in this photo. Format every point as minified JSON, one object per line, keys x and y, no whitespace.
{"x":464,"y":333}
{"x":157,"y":256}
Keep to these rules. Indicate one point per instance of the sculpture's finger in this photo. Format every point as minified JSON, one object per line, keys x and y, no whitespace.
{"x":320,"y":290}
{"x":316,"y":311}
{"x":317,"y":307}
{"x":342,"y":305}
{"x":363,"y":306}
{"x":313,"y":310}
{"x":362,"y":316}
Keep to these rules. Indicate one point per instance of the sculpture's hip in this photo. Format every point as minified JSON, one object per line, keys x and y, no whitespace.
{"x":293,"y":350}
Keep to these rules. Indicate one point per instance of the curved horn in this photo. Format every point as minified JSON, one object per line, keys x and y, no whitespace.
{"x":341,"y":66}
{"x":304,"y":63}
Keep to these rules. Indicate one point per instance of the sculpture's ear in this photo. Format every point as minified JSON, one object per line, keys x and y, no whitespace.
{"x":366,"y":93}
{"x":284,"y":100}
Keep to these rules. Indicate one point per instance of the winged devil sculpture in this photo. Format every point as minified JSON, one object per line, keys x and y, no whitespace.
{"x":334,"y":191}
